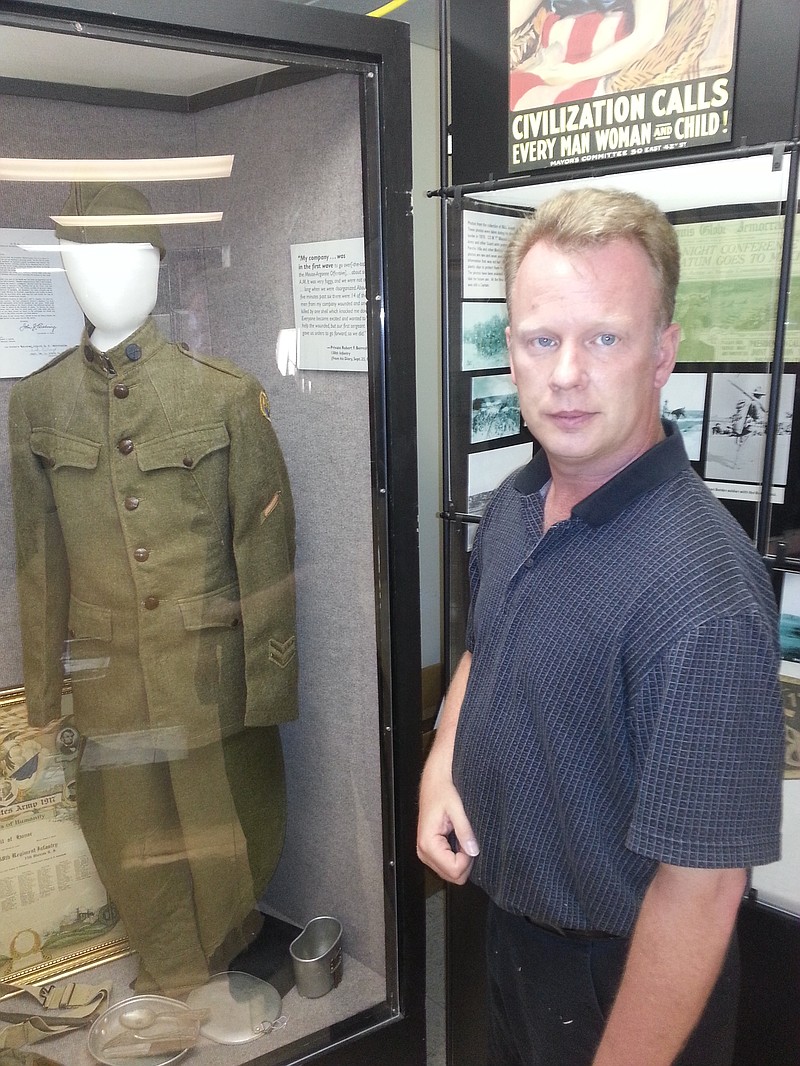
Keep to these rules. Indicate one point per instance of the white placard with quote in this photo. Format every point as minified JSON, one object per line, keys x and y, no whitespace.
{"x":330,"y":304}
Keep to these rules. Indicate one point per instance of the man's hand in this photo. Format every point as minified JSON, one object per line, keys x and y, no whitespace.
{"x":442,"y":820}
{"x":441,"y":813}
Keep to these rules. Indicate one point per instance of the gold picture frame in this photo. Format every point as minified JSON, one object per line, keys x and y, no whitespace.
{"x":55,"y":915}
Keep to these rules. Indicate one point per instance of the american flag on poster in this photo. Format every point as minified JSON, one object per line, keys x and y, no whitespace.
{"x":573,"y":39}
{"x":602,"y":79}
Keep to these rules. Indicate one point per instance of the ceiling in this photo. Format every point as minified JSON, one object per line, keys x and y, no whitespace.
{"x":75,"y":60}
{"x":421,"y":15}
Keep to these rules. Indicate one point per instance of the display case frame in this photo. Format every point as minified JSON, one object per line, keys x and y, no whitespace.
{"x":377,"y":54}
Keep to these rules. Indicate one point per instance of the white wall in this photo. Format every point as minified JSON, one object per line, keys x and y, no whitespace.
{"x":425,"y":120}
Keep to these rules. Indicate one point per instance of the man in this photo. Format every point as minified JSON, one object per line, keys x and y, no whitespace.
{"x":607,"y":765}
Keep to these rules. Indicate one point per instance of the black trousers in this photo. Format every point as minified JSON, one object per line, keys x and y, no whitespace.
{"x":550,"y":996}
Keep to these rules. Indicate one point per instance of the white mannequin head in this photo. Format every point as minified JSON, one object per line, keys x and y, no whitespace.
{"x":116,"y":286}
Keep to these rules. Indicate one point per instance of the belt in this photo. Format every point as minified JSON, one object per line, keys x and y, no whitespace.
{"x":571,"y":934}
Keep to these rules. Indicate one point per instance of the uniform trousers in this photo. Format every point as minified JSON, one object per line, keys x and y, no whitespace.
{"x":184,"y":846}
{"x":550,"y":996}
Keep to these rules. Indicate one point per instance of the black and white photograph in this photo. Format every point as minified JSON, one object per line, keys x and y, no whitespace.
{"x":495,"y":408}
{"x":737,"y":425}
{"x":487,"y":470}
{"x":483,"y":336}
{"x":683,"y":400}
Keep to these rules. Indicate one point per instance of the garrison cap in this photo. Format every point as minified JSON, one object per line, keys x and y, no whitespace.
{"x":109,"y":198}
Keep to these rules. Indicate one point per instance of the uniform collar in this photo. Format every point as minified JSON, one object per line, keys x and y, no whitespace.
{"x":127,"y":355}
{"x":658,"y":465}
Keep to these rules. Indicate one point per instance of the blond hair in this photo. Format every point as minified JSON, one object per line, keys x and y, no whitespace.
{"x":586,"y":218}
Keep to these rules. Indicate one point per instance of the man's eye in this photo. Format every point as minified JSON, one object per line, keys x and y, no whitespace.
{"x":606,"y":340}
{"x":543,"y":342}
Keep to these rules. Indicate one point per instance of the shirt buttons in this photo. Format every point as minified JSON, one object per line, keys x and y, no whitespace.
{"x":188,"y":462}
{"x":151,"y":603}
{"x":125,"y":446}
{"x":133,"y":352}
{"x":131,"y":503}
{"x":121,"y":391}
{"x":141,"y":555}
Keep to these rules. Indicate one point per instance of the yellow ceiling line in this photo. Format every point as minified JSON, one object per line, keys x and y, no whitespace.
{"x":386,"y":8}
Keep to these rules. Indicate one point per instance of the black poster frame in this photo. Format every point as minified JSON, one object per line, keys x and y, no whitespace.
{"x":767,"y":56}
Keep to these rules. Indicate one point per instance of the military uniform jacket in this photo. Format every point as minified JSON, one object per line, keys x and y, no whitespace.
{"x":155,"y":535}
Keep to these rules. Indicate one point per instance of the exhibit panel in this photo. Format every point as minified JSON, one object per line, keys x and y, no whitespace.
{"x":729,"y":216}
{"x":207,"y":712}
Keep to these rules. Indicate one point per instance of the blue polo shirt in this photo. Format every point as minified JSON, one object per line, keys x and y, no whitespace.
{"x":623,"y":705}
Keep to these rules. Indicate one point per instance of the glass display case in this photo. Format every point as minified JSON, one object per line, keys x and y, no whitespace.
{"x":210,"y":642}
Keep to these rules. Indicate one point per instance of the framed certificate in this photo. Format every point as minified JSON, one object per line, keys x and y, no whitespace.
{"x":55,"y":915}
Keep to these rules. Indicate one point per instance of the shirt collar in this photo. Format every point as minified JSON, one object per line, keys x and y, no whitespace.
{"x":143,"y":343}
{"x":659,"y":464}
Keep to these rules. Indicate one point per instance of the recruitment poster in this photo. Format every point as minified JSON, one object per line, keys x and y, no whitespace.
{"x":592,"y":80}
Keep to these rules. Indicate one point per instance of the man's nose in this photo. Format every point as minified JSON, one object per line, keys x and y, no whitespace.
{"x":569,"y":370}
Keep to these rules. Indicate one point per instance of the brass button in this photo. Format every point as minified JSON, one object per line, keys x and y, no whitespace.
{"x":141,"y":555}
{"x":121,"y":391}
{"x":51,"y":461}
{"x":188,"y":462}
{"x":131,"y":503}
{"x":151,"y":603}
{"x":71,"y":634}
{"x":125,"y":446}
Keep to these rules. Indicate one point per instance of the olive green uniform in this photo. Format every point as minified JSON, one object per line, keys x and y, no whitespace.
{"x":155,"y":542}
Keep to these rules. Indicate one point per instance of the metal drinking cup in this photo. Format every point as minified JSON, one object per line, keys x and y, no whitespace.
{"x":317,"y":957}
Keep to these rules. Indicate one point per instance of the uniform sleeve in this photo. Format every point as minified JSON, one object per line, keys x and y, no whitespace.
{"x":262,"y":519}
{"x":42,"y":572}
{"x":709,"y":735}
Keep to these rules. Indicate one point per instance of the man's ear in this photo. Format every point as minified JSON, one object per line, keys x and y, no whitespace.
{"x":510,"y":357}
{"x":667,"y":353}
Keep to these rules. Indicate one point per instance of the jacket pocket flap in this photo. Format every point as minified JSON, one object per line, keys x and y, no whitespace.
{"x":59,"y":449}
{"x":89,"y":620}
{"x":212,"y":609}
{"x":183,"y":450}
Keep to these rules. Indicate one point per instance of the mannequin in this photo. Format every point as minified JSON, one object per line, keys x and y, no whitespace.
{"x":155,"y":533}
{"x":115,"y":284}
